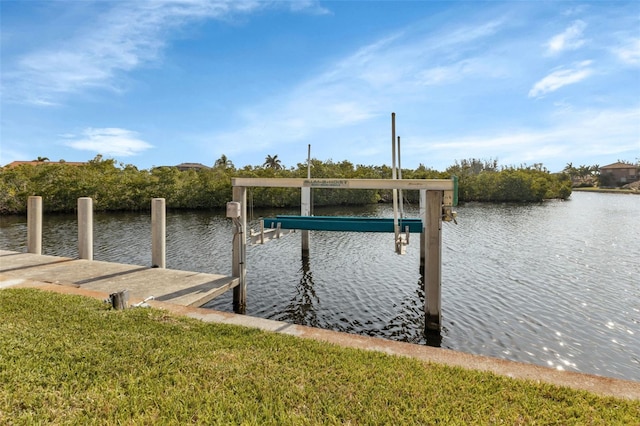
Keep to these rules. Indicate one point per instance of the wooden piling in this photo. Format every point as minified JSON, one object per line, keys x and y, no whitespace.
{"x":433,"y":255}
{"x":34,"y":225}
{"x":305,"y":210}
{"x":396,"y":226}
{"x":158,"y":233}
{"x":85,"y":228}
{"x":120,"y":299}
{"x":423,"y":234}
{"x":305,"y":206}
{"x":239,"y":249}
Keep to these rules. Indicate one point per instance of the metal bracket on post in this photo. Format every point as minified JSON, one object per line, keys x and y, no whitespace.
{"x":403,"y":241}
{"x":448,"y":200}
{"x":264,"y":235}
{"x":233,"y":210}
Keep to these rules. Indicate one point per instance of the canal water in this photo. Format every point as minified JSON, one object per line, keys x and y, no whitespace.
{"x":555,"y":284}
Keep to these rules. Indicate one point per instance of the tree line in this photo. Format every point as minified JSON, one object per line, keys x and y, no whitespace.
{"x":123,"y":187}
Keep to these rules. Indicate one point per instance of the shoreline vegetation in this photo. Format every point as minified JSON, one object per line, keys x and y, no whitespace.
{"x":119,"y":187}
{"x":73,"y":360}
{"x":608,"y":190}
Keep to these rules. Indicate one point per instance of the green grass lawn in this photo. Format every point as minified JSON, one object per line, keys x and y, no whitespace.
{"x":73,"y":360}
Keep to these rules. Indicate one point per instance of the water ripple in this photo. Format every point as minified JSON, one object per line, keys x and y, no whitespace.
{"x":555,"y":284}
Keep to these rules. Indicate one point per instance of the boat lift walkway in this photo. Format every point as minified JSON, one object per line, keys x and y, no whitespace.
{"x":167,"y":285}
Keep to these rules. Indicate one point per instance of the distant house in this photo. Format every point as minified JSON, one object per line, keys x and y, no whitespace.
{"x":38,"y":163}
{"x":618,"y":174}
{"x":191,"y":166}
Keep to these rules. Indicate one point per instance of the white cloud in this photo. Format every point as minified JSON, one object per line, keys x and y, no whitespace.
{"x":560,"y":78}
{"x":576,"y":10}
{"x":570,"y":39}
{"x":455,"y":72}
{"x":310,"y":6}
{"x":358,"y":88}
{"x":572,"y":135}
{"x":125,"y":37}
{"x":466,"y":34}
{"x":109,"y":141}
{"x":629,"y":52}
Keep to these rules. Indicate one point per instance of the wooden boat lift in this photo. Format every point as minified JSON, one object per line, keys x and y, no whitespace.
{"x":437,"y":198}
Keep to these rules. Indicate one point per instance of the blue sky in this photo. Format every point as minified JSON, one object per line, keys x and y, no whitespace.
{"x":163,"y":82}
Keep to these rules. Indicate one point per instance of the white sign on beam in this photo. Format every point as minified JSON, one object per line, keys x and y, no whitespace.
{"x":326,"y":183}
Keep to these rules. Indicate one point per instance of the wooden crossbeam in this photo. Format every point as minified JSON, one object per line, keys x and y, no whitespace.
{"x":428,"y":184}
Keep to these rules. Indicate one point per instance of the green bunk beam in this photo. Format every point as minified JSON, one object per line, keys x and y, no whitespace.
{"x":340,"y":223}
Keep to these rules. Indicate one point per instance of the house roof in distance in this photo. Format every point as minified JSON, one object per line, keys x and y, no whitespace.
{"x":189,"y":166}
{"x":619,"y":165}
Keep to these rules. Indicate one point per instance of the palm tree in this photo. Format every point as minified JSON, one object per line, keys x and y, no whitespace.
{"x":571,"y":171}
{"x":223,"y":163}
{"x":584,"y":171}
{"x":42,"y":159}
{"x":272,"y":162}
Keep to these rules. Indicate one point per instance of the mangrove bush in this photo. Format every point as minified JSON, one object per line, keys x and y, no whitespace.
{"x":119,"y":187}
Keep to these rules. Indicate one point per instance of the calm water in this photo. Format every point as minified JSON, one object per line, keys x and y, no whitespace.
{"x":555,"y":284}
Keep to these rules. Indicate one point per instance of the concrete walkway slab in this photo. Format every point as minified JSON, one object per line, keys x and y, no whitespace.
{"x":179,"y":287}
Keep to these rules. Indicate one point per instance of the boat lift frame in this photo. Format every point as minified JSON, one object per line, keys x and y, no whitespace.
{"x":437,"y":198}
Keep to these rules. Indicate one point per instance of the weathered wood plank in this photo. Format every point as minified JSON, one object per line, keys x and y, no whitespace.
{"x":428,"y":184}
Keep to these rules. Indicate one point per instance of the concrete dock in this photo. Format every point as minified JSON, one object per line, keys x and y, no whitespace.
{"x":179,"y":292}
{"x":167,"y":285}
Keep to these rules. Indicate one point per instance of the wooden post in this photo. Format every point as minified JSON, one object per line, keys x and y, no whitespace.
{"x":158,"y":233}
{"x":400,"y":196}
{"x":85,"y":228}
{"x":239,"y":251}
{"x":432,"y":267}
{"x":396,"y":226}
{"x":423,"y":234}
{"x":120,"y":300}
{"x":305,"y":205}
{"x":305,"y":210}
{"x":34,"y":225}
{"x":261,"y":231}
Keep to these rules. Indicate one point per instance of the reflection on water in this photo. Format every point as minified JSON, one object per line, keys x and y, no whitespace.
{"x":555,"y":284}
{"x":303,"y":306}
{"x":410,"y":312}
